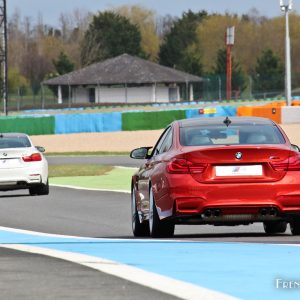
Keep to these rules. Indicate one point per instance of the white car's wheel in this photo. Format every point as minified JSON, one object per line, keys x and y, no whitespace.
{"x":139,"y":229}
{"x":158,"y":228}
{"x":40,"y":190}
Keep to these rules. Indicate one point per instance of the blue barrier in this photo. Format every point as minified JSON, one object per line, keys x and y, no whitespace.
{"x":111,"y":122}
{"x":76,"y":123}
{"x":221,"y":111}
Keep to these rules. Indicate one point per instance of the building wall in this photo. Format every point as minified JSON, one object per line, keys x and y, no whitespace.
{"x":145,"y":94}
{"x":162,"y":94}
{"x":80,"y":95}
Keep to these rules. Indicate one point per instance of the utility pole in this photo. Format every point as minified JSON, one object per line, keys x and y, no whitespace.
{"x":286,"y":8}
{"x":3,"y":53}
{"x":229,"y":45}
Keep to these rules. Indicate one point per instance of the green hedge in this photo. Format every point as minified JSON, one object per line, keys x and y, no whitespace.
{"x":29,"y":125}
{"x":150,"y":120}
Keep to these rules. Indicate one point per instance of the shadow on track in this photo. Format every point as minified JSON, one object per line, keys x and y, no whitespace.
{"x":15,"y":196}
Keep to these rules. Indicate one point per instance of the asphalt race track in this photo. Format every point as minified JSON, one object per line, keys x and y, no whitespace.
{"x":231,"y":256}
{"x":36,"y":277}
{"x":106,"y":215}
{"x":111,"y":160}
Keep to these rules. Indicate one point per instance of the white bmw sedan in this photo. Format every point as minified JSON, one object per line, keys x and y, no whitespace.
{"x":22,"y":165}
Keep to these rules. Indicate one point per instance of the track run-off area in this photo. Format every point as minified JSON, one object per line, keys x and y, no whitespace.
{"x":92,"y":230}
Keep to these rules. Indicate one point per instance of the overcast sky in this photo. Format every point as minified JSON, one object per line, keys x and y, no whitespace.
{"x":51,"y":9}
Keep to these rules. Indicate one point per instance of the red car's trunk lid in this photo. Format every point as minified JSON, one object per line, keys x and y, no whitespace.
{"x":231,"y":164}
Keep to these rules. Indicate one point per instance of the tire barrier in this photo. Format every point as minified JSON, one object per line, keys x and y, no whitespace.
{"x":150,"y":120}
{"x":214,"y":111}
{"x":137,"y":120}
{"x":76,"y":123}
{"x":271,"y":111}
{"x":28,"y":125}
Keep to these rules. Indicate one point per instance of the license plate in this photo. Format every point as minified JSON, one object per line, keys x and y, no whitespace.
{"x":243,"y":170}
{"x":9,"y":163}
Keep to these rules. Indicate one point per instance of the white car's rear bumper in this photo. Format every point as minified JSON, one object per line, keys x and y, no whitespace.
{"x":18,"y":178}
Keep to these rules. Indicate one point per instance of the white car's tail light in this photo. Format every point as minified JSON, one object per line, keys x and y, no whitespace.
{"x":32,"y":157}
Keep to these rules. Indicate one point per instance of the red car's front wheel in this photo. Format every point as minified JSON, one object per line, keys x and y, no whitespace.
{"x":139,"y":229}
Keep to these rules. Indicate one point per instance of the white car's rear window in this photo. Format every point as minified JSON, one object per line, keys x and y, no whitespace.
{"x":14,"y":142}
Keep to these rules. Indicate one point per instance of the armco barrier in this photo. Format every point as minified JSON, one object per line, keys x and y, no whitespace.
{"x":76,"y":123}
{"x":220,"y":111}
{"x":150,"y":120}
{"x":29,"y":125}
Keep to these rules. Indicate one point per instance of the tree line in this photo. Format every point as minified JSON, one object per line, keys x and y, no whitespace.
{"x":193,"y":42}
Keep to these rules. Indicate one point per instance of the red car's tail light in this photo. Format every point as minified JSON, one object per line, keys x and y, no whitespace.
{"x":183,"y":166}
{"x":178,"y":166}
{"x":32,"y":157}
{"x":294,"y":163}
{"x":196,"y":168}
{"x":281,"y":165}
{"x":290,"y":164}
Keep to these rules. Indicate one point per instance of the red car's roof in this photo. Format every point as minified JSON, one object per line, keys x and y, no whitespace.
{"x":220,"y":121}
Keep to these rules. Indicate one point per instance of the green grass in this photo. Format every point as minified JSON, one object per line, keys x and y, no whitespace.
{"x":78,"y":170}
{"x":115,"y":179}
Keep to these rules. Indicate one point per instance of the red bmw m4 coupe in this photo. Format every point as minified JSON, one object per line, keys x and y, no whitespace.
{"x":217,"y":171}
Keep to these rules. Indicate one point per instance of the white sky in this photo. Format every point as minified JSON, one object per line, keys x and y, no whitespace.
{"x":51,"y":9}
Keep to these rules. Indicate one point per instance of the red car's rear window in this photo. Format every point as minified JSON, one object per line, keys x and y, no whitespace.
{"x":232,"y":135}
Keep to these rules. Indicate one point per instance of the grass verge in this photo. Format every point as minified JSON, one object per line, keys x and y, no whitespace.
{"x":117,"y":179}
{"x":78,"y":170}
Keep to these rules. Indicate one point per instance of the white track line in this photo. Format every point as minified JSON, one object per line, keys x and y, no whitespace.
{"x":89,"y":189}
{"x":161,"y":283}
{"x":128,"y":168}
{"x":51,"y":235}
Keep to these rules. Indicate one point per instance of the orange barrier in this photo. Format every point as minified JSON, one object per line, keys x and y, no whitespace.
{"x":273,"y":113}
{"x":296,"y":103}
{"x":270,"y":110}
{"x":243,"y":111}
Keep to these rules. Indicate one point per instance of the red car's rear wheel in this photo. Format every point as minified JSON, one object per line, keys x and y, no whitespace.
{"x":295,"y":226}
{"x":158,"y":228}
{"x":275,"y":227}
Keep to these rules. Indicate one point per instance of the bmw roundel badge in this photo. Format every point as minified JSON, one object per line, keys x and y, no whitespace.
{"x":238,"y":155}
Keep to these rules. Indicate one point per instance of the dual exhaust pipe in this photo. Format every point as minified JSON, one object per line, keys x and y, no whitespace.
{"x":269,"y":212}
{"x":216,"y":212}
{"x":210,"y":213}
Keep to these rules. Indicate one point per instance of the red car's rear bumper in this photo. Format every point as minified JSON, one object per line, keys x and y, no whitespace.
{"x":188,"y":197}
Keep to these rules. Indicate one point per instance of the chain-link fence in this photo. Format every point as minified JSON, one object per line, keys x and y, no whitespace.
{"x":247,"y":87}
{"x":213,"y":88}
